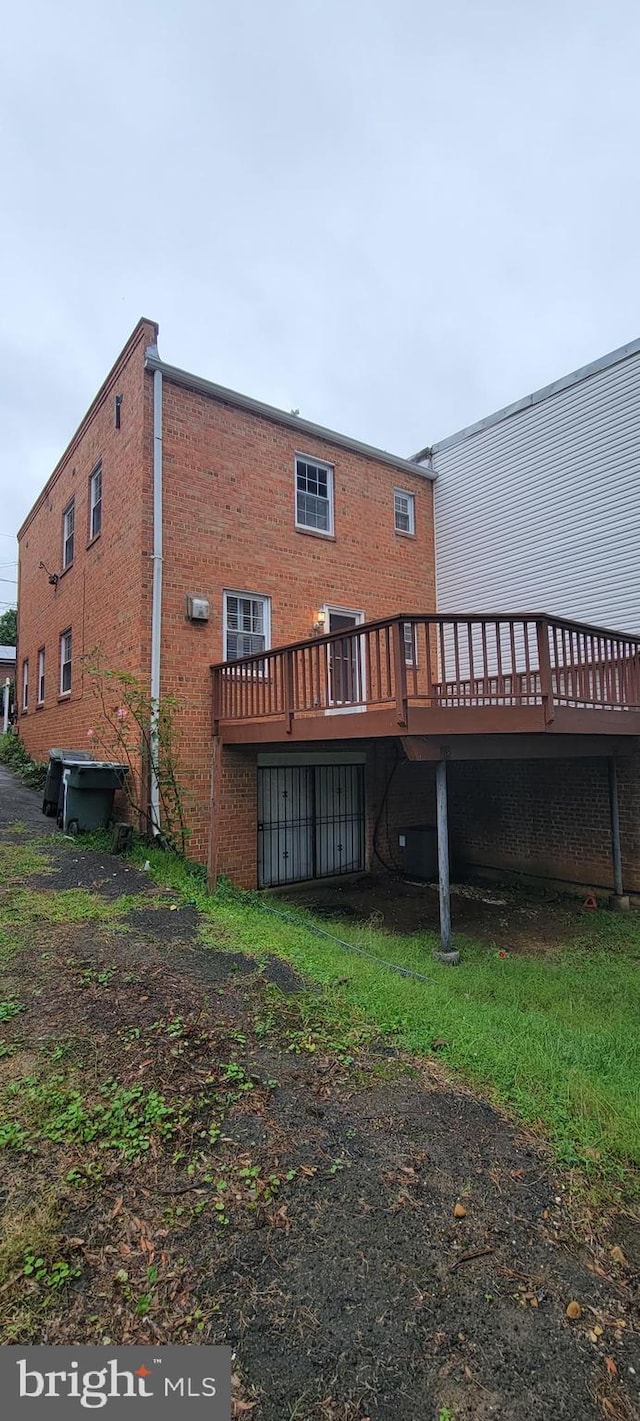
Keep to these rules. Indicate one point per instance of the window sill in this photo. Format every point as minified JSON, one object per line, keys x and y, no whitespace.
{"x":315,"y":533}
{"x":64,"y":572}
{"x":40,"y":705}
{"x":93,"y":540}
{"x":400,"y":533}
{"x":64,"y":696}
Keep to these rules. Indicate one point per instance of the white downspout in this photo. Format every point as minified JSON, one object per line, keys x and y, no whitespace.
{"x":156,"y":600}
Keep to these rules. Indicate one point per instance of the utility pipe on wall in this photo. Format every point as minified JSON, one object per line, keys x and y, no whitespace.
{"x":156,"y":599}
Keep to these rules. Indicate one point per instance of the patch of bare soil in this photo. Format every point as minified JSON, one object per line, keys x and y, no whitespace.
{"x":517,"y":919}
{"x":210,"y":1153}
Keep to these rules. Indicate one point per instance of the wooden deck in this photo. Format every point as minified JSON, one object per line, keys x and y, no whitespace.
{"x":435,"y":676}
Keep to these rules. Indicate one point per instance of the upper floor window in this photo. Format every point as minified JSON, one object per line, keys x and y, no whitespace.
{"x":410,"y":644}
{"x":40,"y":675}
{"x":95,"y":502}
{"x":65,"y":662}
{"x":247,"y":624}
{"x":68,"y":524}
{"x":314,"y":495}
{"x":404,"y":511}
{"x":25,"y":685}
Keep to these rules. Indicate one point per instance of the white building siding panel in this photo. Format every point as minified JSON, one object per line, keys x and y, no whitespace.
{"x":541,"y":510}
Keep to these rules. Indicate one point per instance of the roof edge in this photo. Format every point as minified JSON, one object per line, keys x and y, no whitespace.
{"x":317,"y":431}
{"x":615,"y":357}
{"x":98,"y":400}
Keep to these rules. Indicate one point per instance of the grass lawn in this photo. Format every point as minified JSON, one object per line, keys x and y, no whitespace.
{"x":200,"y":1143}
{"x":556,"y":1038}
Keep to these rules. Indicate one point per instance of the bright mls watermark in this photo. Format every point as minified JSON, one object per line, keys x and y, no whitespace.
{"x":167,"y":1382}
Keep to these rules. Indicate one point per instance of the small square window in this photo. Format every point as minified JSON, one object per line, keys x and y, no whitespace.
{"x":25,"y":685}
{"x":65,"y":662}
{"x":314,"y":496}
{"x":404,"y":512}
{"x":68,"y":523}
{"x":95,"y":502}
{"x":247,"y":625}
{"x":41,"y":676}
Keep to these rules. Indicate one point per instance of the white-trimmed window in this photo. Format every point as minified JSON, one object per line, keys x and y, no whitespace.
{"x":95,"y":502}
{"x":25,"y":684}
{"x":314,"y":495}
{"x":247,"y":624}
{"x":65,"y":662}
{"x":404,"y":511}
{"x":68,"y":525}
{"x":41,"y":676}
{"x":410,"y":646}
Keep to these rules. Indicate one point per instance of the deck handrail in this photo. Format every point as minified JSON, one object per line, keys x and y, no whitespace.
{"x":443,"y":659}
{"x":438,"y":618}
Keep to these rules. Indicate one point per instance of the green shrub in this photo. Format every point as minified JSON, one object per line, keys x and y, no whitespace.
{"x":14,"y":755}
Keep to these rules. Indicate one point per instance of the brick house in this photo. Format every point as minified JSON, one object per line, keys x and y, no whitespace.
{"x":188,"y":527}
{"x":275,"y":522}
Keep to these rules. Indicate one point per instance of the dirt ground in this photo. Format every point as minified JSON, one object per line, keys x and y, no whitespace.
{"x":516,"y":918}
{"x":298,"y":1201}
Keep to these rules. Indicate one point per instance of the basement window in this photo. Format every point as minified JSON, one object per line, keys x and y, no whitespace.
{"x":68,"y":524}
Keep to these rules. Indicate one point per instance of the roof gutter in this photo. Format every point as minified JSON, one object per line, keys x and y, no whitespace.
{"x":604,"y":362}
{"x":277,"y":416}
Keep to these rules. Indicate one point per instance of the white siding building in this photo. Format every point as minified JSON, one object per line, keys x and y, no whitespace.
{"x":538,"y":506}
{"x":538,"y":510}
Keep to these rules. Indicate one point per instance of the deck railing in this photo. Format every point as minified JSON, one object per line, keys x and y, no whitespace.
{"x":525,"y":659}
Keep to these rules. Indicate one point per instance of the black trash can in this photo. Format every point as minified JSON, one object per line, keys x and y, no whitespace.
{"x":87,"y":793}
{"x":53,"y":782}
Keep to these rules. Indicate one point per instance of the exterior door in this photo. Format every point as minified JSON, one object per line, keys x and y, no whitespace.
{"x":285,"y":825}
{"x":311,"y":822}
{"x":339,"y":816}
{"x":344,"y":660}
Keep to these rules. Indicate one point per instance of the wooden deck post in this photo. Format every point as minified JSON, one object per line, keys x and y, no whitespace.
{"x":447,"y":953}
{"x":619,"y":901}
{"x":288,"y":691}
{"x":546,"y":677}
{"x":216,"y":698}
{"x":400,"y":671}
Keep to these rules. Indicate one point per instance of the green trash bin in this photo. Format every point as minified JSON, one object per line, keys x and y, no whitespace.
{"x":53,"y":782}
{"x":87,"y":793}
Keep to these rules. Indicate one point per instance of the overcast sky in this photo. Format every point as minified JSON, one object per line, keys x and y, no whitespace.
{"x":394,"y":215}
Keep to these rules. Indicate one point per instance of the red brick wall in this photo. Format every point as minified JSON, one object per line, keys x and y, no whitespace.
{"x":103,"y":596}
{"x":229,"y":524}
{"x":546,"y":817}
{"x":235,"y":825}
{"x":235,"y":829}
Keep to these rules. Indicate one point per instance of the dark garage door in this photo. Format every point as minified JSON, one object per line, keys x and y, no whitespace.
{"x":310,"y":822}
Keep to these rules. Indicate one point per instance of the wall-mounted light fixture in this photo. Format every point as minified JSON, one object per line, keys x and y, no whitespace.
{"x":53,"y":576}
{"x":320,"y":622}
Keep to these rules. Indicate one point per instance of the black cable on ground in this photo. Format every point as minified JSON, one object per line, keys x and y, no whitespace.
{"x":311,"y":927}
